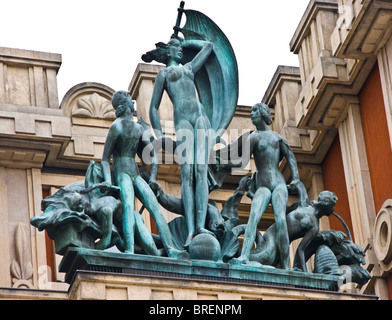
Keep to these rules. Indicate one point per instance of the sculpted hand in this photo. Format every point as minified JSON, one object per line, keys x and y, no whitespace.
{"x":293,"y":186}
{"x":297,"y":187}
{"x":156,"y":188}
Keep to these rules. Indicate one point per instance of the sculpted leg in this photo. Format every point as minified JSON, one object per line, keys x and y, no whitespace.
{"x":202,"y":153}
{"x":279,"y":203}
{"x":106,"y":217}
{"x":127,"y":196}
{"x":147,"y":197}
{"x":144,"y":237}
{"x":188,"y":198}
{"x":260,"y":202}
{"x":186,"y":152}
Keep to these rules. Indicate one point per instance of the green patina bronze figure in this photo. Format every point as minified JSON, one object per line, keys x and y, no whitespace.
{"x":189,"y":119}
{"x":75,"y":209}
{"x":201,"y":79}
{"x":302,"y":222}
{"x":125,"y":139}
{"x":204,"y":53}
{"x":268,"y":149}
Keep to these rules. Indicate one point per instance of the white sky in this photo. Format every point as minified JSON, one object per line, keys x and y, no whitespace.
{"x":103,"y":40}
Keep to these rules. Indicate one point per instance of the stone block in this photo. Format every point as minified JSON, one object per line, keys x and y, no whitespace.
{"x":28,"y":78}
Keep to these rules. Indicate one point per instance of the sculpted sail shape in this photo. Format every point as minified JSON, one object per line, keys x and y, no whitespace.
{"x":217,"y":81}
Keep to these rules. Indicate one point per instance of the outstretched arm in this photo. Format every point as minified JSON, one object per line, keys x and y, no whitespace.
{"x":237,"y":154}
{"x":167,"y":201}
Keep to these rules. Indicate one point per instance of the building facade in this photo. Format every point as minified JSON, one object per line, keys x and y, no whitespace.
{"x":335,"y":111}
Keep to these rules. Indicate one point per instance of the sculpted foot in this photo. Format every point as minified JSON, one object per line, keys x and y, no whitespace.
{"x":255,"y":264}
{"x":239,"y":261}
{"x":285,"y":266}
{"x":178,"y":254}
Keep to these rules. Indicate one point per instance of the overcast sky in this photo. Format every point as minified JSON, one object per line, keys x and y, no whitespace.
{"x":103,"y":40}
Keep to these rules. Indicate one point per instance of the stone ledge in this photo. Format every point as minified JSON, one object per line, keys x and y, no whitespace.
{"x":76,"y":259}
{"x":32,"y":294}
{"x":94,"y":285}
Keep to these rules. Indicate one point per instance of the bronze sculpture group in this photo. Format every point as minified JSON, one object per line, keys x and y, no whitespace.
{"x":201,"y":79}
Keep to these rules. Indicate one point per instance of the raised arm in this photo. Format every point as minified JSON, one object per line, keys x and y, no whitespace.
{"x":200,"y":59}
{"x":155,"y":103}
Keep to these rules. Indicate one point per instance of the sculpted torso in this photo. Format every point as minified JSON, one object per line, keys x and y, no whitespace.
{"x":300,"y":221}
{"x":266,"y":153}
{"x":128,"y":136}
{"x":180,"y":86}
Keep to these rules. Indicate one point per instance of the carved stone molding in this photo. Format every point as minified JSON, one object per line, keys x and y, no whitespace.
{"x":21,"y":158}
{"x":89,"y":100}
{"x":383,"y":236}
{"x":94,"y":106}
{"x":21,"y":267}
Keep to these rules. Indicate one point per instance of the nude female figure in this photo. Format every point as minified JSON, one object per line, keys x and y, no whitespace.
{"x":190,"y":121}
{"x":268,"y":148}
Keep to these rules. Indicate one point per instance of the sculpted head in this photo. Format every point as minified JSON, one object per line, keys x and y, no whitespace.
{"x":326,"y":202}
{"x":261,"y":111}
{"x":164,"y":53}
{"x":174,"y":50}
{"x":121,"y":100}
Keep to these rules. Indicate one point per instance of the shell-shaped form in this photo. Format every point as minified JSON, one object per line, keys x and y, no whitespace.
{"x":94,"y":106}
{"x":325,"y":261}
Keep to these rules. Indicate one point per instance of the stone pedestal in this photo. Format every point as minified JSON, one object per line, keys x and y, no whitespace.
{"x":105,"y":275}
{"x":95,"y":285}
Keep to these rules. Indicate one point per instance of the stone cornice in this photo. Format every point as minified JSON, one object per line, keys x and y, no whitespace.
{"x":30,"y":58}
{"x":310,"y":14}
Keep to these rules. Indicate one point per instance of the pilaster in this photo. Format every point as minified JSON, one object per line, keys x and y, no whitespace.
{"x":357,"y":173}
{"x":384,"y":59}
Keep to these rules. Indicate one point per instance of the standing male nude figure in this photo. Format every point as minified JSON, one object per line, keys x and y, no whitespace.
{"x":123,"y":141}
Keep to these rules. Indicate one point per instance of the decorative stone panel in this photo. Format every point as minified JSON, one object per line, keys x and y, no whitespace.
{"x":89,"y":107}
{"x":89,"y":100}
